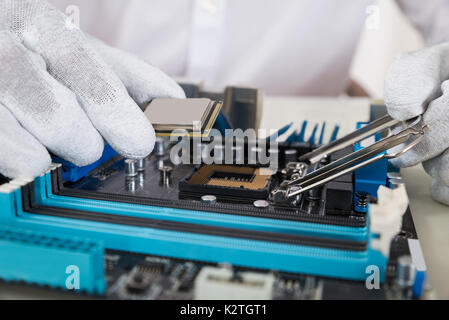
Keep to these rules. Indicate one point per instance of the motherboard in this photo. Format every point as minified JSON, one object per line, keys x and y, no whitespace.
{"x":230,"y":202}
{"x":235,"y":228}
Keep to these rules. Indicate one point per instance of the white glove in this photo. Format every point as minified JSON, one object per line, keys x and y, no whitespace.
{"x":64,"y":91}
{"x":417,"y":83}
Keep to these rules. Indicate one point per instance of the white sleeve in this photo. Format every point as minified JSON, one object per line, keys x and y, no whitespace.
{"x":430,"y":17}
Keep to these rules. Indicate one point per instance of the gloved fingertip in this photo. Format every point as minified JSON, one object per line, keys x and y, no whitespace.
{"x":143,"y":81}
{"x":87,"y":152}
{"x":405,"y":161}
{"x":30,"y":164}
{"x":178,"y":92}
{"x":41,"y":162}
{"x":412,"y":81}
{"x":126,"y":129}
{"x":140,"y":146}
{"x":402,"y":113}
{"x":437,"y":167}
{"x":439,"y":192}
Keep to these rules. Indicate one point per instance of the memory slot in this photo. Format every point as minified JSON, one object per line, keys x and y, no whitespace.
{"x":202,"y":243}
{"x":45,"y":187}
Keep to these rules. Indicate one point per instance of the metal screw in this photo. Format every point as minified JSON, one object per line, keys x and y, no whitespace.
{"x":130,"y":168}
{"x":165,"y":175}
{"x":130,"y":184}
{"x":159,"y":147}
{"x":395,"y":183}
{"x":141,"y":165}
{"x":394,"y":175}
{"x":362,"y":200}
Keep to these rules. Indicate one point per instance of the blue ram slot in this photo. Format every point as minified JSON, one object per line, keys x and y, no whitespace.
{"x":53,"y":261}
{"x":368,"y":179}
{"x":73,"y":173}
{"x":44,"y":196}
{"x":184,"y":245}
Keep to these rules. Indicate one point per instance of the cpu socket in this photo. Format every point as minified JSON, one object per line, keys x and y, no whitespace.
{"x":228,"y":181}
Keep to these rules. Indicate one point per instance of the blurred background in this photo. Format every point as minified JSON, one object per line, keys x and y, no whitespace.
{"x":386,"y":33}
{"x":378,"y":46}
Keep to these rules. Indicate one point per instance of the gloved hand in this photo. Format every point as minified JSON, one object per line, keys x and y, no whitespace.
{"x":417,"y":83}
{"x":64,"y":91}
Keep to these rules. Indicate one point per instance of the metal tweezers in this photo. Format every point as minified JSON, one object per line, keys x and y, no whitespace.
{"x":355,"y":160}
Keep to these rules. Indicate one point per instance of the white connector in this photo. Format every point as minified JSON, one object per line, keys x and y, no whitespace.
{"x":386,"y":216}
{"x":219,"y":284}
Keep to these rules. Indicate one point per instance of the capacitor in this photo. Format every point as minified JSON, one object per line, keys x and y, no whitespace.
{"x":130,"y":167}
{"x":291,"y":155}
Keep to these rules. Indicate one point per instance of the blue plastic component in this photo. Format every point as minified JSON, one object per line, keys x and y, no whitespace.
{"x":323,"y":129}
{"x":222,"y":123}
{"x":302,"y":133}
{"x":280,"y":132}
{"x":184,"y":245}
{"x":335,"y":133}
{"x":368,"y":179}
{"x":73,"y":173}
{"x":44,"y":197}
{"x":418,"y":285}
{"x":293,"y":137}
{"x":312,"y":138}
{"x":53,"y":261}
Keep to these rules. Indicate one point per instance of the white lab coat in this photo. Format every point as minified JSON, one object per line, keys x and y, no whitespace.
{"x":285,"y":47}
